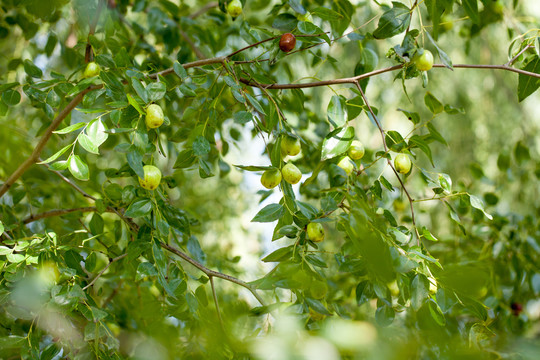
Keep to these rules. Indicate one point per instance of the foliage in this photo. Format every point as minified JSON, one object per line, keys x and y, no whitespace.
{"x":440,"y":262}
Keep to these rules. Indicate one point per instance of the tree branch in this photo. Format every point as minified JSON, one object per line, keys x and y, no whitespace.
{"x":204,"y":9}
{"x":411,"y":200}
{"x":213,"y":273}
{"x":57,"y":212}
{"x":43,"y":141}
{"x":104,"y":269}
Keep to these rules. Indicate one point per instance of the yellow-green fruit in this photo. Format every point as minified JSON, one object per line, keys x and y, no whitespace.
{"x":318,"y":289}
{"x":356,"y":150}
{"x":425,"y":61}
{"x":92,"y":69}
{"x":315,"y":232}
{"x":291,"y":174}
{"x":154,"y":116}
{"x":290,"y":145}
{"x":152,"y":177}
{"x":234,"y":8}
{"x":346,"y":164}
{"x":402,"y":163}
{"x":271,"y":178}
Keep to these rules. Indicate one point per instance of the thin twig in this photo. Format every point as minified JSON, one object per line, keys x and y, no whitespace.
{"x":511,"y":61}
{"x":204,"y":9}
{"x":381,"y":130}
{"x":104,"y":269}
{"x":210,"y":273}
{"x":71,"y":183}
{"x":31,"y":160}
{"x":57,"y":212}
{"x":216,"y":302}
{"x":89,"y":53}
{"x":192,"y":45}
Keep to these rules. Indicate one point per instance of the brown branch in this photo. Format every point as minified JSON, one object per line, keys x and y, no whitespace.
{"x":89,"y":53}
{"x":57,"y":212}
{"x":381,"y":130}
{"x":71,"y":183}
{"x":352,"y":80}
{"x":43,"y":141}
{"x":213,"y":273}
{"x":216,"y":302}
{"x":191,"y":44}
{"x":104,"y":269}
{"x":204,"y":9}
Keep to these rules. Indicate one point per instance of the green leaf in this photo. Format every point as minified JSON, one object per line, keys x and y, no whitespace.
{"x":97,"y":132}
{"x":269,"y":213}
{"x":15,"y":258}
{"x":56,"y":155}
{"x":78,"y":168}
{"x":1,"y":227}
{"x":393,"y":21}
{"x":141,"y":91}
{"x":337,"y":111}
{"x":201,"y":146}
{"x":70,"y":128}
{"x":337,"y":142}
{"x":135,"y":104}
{"x":31,"y":69}
{"x":59,"y":165}
{"x":528,"y":84}
{"x":326,"y":14}
{"x":134,"y":159}
{"x":139,"y":208}
{"x":11,"y":97}
{"x":90,"y":262}
{"x":418,"y":142}
{"x":471,"y":9}
{"x":433,"y":104}
{"x":254,"y":168}
{"x":87,"y":143}
{"x":280,"y":254}
{"x":185,"y":159}
{"x":478,"y":204}
{"x":179,"y":70}
{"x":243,"y":117}
{"x":445,"y":59}
{"x":317,"y":306}
{"x":384,"y":315}
{"x":156,"y":91}
{"x":436,"y":313}
{"x":419,"y":291}
{"x":428,"y":235}
{"x":12,"y":342}
{"x":285,"y":22}
{"x":145,"y":269}
{"x":205,"y":169}
{"x":395,"y":141}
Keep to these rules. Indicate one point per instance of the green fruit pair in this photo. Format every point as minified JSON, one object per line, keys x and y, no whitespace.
{"x":290,"y":173}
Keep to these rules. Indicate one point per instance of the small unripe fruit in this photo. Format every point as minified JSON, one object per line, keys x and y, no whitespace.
{"x":402,"y":163}
{"x":92,"y":69}
{"x":290,"y":146}
{"x":154,"y":116}
{"x":346,"y":164}
{"x":291,"y":173}
{"x":315,"y":232}
{"x":271,"y":178}
{"x":234,"y":8}
{"x":356,"y":150}
{"x":425,"y":61}
{"x":287,"y":42}
{"x":152,"y":177}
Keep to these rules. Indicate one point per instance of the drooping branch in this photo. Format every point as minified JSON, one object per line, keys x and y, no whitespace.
{"x":104,"y":269}
{"x":212,"y":273}
{"x":57,"y":212}
{"x":381,"y":130}
{"x":32,"y":159}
